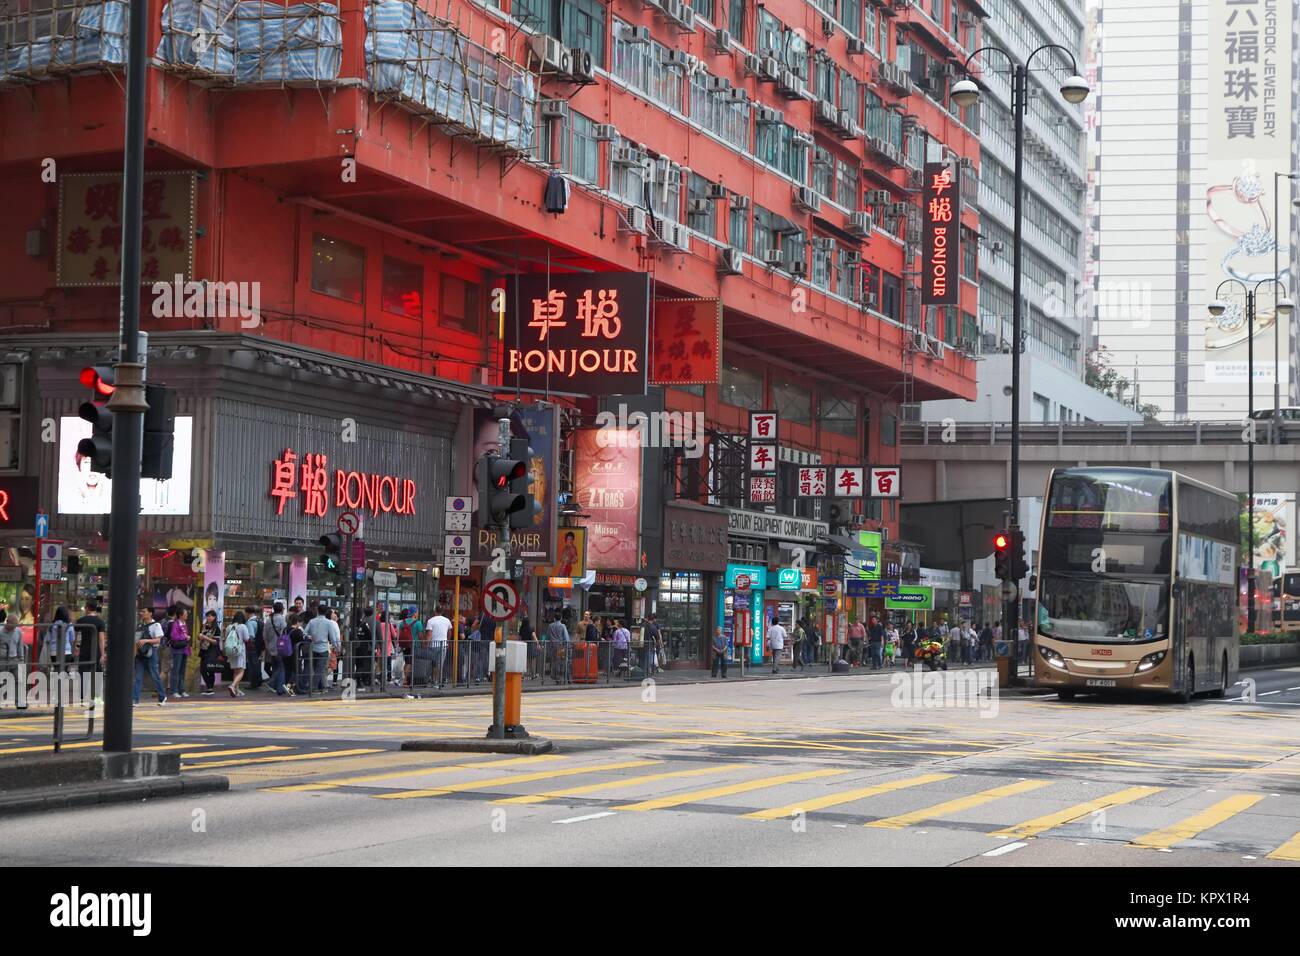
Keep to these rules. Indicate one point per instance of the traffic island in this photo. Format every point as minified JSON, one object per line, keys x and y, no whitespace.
{"x":480,"y":745}
{"x":31,"y":784}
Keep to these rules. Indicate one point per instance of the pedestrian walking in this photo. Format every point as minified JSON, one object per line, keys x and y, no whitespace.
{"x":58,"y":635}
{"x":719,"y":648}
{"x":148,"y":637}
{"x":234,"y":645}
{"x":13,"y":655}
{"x":557,"y":639}
{"x":209,"y":652}
{"x":776,"y":643}
{"x":323,"y":635}
{"x":620,"y":640}
{"x":92,"y":639}
{"x":876,"y":643}
{"x":891,"y":645}
{"x":954,"y":642}
{"x":294,"y":674}
{"x":857,"y":638}
{"x":796,"y":646}
{"x":274,"y":632}
{"x":436,"y":630}
{"x":256,"y":646}
{"x":653,"y":646}
{"x":177,"y":636}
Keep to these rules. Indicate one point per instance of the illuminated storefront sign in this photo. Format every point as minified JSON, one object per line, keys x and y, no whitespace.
{"x":687,"y":342}
{"x":18,"y":504}
{"x":581,"y":334}
{"x":307,"y":480}
{"x":607,"y":485}
{"x":941,"y":253}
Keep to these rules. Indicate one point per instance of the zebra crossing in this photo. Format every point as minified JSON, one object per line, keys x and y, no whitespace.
{"x":1145,"y":818}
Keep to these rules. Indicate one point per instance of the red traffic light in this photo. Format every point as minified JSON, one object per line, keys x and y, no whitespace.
{"x":1001,"y":541}
{"x":99,"y":378}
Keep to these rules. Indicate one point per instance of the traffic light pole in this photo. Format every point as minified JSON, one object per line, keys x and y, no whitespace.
{"x":128,"y":407}
{"x":498,"y":731}
{"x":349,"y":627}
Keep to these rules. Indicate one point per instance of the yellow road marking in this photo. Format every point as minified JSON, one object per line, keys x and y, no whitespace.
{"x":1290,"y":850}
{"x":846,"y":796}
{"x":1039,"y":824}
{"x":411,"y":772}
{"x":93,"y":743}
{"x":623,"y":782}
{"x":517,"y":778}
{"x":1197,"y":823}
{"x":696,"y":796}
{"x":950,"y":807}
{"x":281,"y":759}
{"x":232,"y":753}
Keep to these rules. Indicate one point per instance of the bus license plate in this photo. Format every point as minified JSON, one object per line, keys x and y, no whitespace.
{"x":1099,"y":682}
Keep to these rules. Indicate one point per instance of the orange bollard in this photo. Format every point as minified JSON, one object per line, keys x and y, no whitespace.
{"x":514,"y":698}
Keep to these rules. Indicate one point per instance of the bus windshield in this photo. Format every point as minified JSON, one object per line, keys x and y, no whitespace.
{"x":1110,"y":501}
{"x":1097,"y":609}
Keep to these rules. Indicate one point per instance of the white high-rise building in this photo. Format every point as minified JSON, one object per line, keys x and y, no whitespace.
{"x":1192,"y":113}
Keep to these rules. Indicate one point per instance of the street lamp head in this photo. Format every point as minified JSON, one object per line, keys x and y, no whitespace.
{"x":1217,"y":307}
{"x":1285,"y":306}
{"x":965,"y":92}
{"x":1075,"y":89}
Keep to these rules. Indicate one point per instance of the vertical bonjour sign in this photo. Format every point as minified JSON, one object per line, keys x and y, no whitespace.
{"x":940,"y":257}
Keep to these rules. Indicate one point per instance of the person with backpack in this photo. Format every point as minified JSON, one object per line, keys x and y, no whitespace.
{"x":279,"y":647}
{"x":234,"y":645}
{"x":60,"y":633}
{"x":148,"y":638}
{"x":256,"y":646}
{"x":178,"y":641}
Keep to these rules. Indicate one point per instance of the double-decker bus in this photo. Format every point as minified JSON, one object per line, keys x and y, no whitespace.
{"x":1137,"y":584}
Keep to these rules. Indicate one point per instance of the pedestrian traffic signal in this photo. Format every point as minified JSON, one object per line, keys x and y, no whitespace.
{"x":497,"y":500}
{"x":521,"y":485}
{"x":159,"y":433}
{"x":1019,"y":566}
{"x":331,"y":560}
{"x":1002,"y":555}
{"x":98,"y":448}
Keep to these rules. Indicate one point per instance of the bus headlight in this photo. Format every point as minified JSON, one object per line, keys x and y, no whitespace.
{"x":1051,"y":657}
{"x":1150,"y":661}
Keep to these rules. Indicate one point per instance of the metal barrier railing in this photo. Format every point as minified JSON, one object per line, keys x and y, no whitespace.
{"x":51,"y":671}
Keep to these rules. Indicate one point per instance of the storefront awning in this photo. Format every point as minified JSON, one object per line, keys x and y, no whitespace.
{"x":841,"y":541}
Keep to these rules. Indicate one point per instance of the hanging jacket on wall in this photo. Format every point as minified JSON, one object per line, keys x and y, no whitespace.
{"x":557,"y":193}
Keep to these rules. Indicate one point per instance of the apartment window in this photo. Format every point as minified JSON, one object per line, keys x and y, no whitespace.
{"x":891,"y":296}
{"x":849,"y":96}
{"x":644,"y":67}
{"x":824,"y":76}
{"x":338,"y":268}
{"x":1042,"y":409}
{"x":626,"y":182}
{"x":851,"y":16}
{"x":698,"y":194}
{"x":703,"y":8}
{"x":718,"y":112}
{"x":665,"y":194}
{"x":823,"y":262}
{"x":738,"y":229}
{"x":740,"y":386}
{"x":970,"y":257}
{"x":766,"y":237}
{"x":775,"y":144}
{"x":839,"y":415}
{"x":889,"y":430}
{"x":736,"y":20}
{"x":579,"y":23}
{"x":846,"y":185}
{"x":793,"y":402}
{"x":11,"y":395}
{"x":847,"y":262}
{"x":823,"y":172}
{"x":403,"y":292}
{"x":869,"y":29}
{"x":768,"y":39}
{"x":461,"y":308}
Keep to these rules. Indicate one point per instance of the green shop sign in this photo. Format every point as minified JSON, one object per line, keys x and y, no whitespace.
{"x":912,"y":597}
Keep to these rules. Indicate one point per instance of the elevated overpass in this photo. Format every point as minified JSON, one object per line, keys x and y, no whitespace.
{"x":962,"y":462}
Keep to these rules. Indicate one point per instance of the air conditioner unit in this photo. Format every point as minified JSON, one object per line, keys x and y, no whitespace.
{"x":826,"y":112}
{"x":823,"y":159}
{"x":967,"y":19}
{"x":553,"y":54}
{"x":633,"y":220}
{"x":769,"y":69}
{"x":806,"y":199}
{"x":753,"y":64}
{"x":988,"y":342}
{"x":869,"y":300}
{"x":581,"y":66}
{"x":679,"y":60}
{"x":627,"y":156}
{"x":717,"y":191}
{"x":877,"y":197}
{"x":766,"y":116}
{"x":739,"y":202}
{"x":683,"y":239}
{"x":731,"y":262}
{"x":876,"y":145}
{"x":996,"y":246}
{"x":797,"y":268}
{"x":828,"y":26}
{"x":773,"y":258}
{"x":721,"y":40}
{"x":844,"y":121}
{"x":801,"y":139}
{"x":699,"y":207}
{"x":936,"y":348}
{"x":679,"y":12}
{"x":967,"y":163}
{"x":633,"y":34}
{"x":717,"y":84}
{"x":737,"y":95}
{"x":605,"y":132}
{"x":555,"y":109}
{"x":861,"y":224}
{"x":823,"y":244}
{"x":856,"y":46}
{"x":670,"y":175}
{"x":788,"y":83}
{"x":899,"y":208}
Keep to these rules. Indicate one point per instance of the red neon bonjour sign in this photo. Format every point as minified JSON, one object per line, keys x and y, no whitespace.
{"x":942,"y":249}
{"x":305,"y":479}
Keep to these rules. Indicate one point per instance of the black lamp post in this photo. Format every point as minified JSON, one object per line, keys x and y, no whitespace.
{"x":1217,"y":307}
{"x":965,"y":92}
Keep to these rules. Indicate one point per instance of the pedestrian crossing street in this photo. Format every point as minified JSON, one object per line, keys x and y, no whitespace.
{"x":1153,"y":818}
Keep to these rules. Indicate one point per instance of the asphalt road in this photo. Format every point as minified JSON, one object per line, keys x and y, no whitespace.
{"x":829,"y":770}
